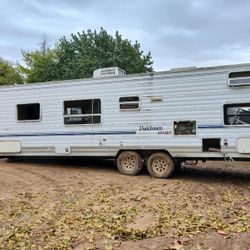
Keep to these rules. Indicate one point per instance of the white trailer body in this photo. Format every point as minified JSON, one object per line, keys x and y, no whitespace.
{"x":195,"y":113}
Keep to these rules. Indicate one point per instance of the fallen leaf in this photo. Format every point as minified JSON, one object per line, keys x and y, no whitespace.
{"x":222,"y":232}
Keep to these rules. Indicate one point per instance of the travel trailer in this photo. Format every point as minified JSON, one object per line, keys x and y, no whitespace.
{"x":159,"y":119}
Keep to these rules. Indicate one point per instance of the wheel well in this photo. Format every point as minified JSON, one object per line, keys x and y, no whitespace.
{"x":145,"y":153}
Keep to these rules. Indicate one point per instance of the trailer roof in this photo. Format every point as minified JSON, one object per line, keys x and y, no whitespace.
{"x":173,"y":71}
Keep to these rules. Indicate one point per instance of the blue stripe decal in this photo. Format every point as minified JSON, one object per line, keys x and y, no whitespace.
{"x":93,"y":133}
{"x":210,"y":126}
{"x":71,"y":134}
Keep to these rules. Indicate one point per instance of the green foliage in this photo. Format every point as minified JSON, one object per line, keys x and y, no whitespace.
{"x":87,"y":51}
{"x":83,"y":53}
{"x":9,"y":74}
{"x":41,"y":66}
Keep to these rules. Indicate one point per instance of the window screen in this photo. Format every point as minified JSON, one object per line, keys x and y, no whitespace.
{"x":82,"y":111}
{"x":237,"y":114}
{"x":129,"y":103}
{"x":28,"y":112}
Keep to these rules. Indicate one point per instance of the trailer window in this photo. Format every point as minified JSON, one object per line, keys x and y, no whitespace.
{"x":28,"y":112}
{"x":129,"y":103}
{"x":82,"y":111}
{"x":184,"y":127}
{"x":237,"y":79}
{"x":237,"y":114}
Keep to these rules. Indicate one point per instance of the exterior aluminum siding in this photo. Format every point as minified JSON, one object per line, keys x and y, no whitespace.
{"x":197,"y":94}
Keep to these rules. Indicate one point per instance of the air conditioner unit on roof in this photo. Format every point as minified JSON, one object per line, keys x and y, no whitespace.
{"x":106,"y":72}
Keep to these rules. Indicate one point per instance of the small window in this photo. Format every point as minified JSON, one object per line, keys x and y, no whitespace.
{"x":185,"y":127}
{"x":129,"y":103}
{"x":237,"y":114}
{"x":28,"y":112}
{"x":237,"y":79}
{"x":82,"y":111}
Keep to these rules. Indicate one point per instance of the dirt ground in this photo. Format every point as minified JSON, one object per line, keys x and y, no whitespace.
{"x":83,"y":204}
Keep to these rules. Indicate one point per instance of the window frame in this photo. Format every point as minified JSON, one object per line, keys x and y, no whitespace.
{"x":31,"y":120}
{"x":238,"y":78}
{"x":82,"y":115}
{"x":130,"y":102}
{"x":231,"y":105}
{"x":189,"y":135}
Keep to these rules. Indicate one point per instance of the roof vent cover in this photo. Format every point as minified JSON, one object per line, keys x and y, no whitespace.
{"x":107,"y":72}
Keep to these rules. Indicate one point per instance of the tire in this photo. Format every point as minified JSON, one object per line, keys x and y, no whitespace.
{"x":129,"y":163}
{"x":160,"y":165}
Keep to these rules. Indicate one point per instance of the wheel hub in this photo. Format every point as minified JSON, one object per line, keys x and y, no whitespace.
{"x":160,"y":165}
{"x":128,"y":162}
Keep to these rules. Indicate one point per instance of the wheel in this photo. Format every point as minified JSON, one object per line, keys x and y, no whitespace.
{"x":160,"y":165}
{"x":129,"y":163}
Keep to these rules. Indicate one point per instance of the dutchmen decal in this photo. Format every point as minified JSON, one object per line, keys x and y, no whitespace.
{"x":150,"y":129}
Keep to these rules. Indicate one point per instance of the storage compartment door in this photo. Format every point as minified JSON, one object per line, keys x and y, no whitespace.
{"x":10,"y":147}
{"x":243,"y":145}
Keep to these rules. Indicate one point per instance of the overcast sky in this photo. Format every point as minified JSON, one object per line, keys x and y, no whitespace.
{"x":177,"y":32}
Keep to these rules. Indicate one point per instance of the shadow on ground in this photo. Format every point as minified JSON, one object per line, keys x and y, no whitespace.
{"x":211,"y":171}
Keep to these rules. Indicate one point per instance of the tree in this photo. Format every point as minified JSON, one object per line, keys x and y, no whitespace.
{"x":9,"y":74}
{"x":41,"y":64}
{"x":83,"y":53}
{"x":87,"y":51}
